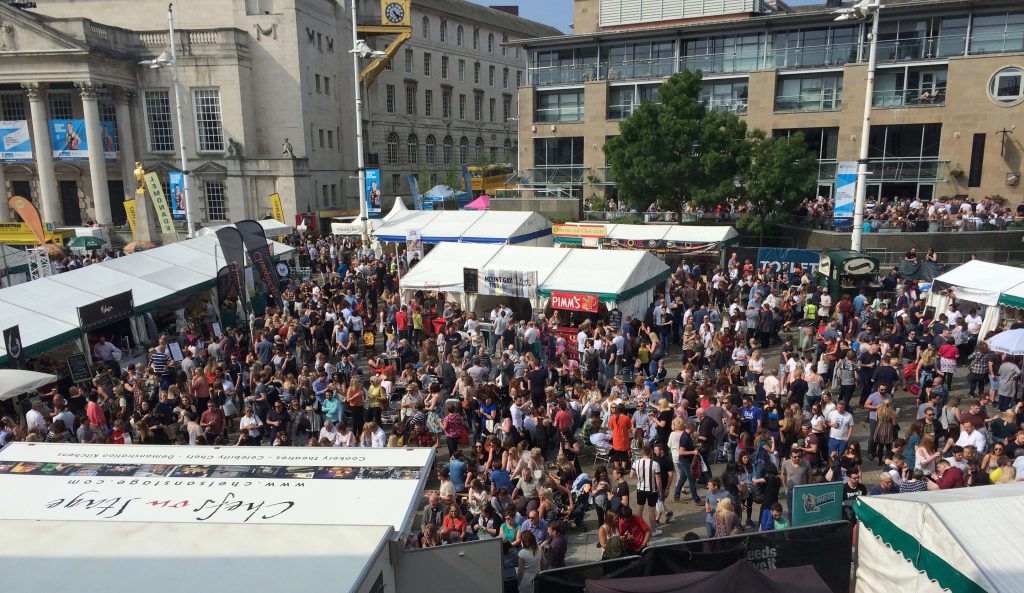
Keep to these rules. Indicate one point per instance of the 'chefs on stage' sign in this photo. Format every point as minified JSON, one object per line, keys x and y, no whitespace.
{"x":574,"y":301}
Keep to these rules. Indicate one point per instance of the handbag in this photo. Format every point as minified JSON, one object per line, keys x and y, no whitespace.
{"x":230,"y":407}
{"x":914,"y":389}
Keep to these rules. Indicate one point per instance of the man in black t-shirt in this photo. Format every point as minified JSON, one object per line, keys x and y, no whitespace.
{"x":851,"y":490}
{"x":661,"y":455}
{"x":687,"y":451}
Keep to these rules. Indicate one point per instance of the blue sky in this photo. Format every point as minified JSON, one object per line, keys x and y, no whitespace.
{"x":558,"y":13}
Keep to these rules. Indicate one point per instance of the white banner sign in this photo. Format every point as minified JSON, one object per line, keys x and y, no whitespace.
{"x":511,"y":283}
{"x":52,"y":482}
{"x":413,"y":245}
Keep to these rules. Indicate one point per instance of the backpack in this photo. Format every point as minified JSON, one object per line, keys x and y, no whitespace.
{"x":613,"y":547}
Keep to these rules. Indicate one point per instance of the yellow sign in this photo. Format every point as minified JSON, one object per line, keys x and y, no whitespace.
{"x":395,"y":12}
{"x":129,"y":211}
{"x":19,"y":233}
{"x":163,"y":213}
{"x":275,"y":206}
{"x":579,"y":230}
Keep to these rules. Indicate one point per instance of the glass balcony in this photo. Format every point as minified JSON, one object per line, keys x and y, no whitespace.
{"x":818,"y":56}
{"x":997,"y":43}
{"x":920,"y":48}
{"x":552,"y":75}
{"x":563,"y":174}
{"x":911,"y":170}
{"x":552,"y":115}
{"x":723,"y":62}
{"x":735,"y":106}
{"x":638,"y":69}
{"x":827,"y":100}
{"x":909,"y":98}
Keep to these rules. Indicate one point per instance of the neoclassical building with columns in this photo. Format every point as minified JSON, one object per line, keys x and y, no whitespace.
{"x":77,"y":110}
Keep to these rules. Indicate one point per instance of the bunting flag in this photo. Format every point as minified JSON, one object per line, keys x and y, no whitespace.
{"x":229,"y":277}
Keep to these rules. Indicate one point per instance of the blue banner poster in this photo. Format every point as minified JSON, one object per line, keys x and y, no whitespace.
{"x":67,"y":139}
{"x":373,"y":193}
{"x":109,"y":131}
{"x":788,"y":260}
{"x":846,"y":189}
{"x":15,"y":143}
{"x":177,"y":186}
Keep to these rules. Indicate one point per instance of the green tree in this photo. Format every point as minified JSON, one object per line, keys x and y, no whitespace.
{"x":677,"y":151}
{"x":782,"y":172}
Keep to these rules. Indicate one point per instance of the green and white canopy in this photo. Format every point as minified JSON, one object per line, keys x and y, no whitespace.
{"x":966,"y":540}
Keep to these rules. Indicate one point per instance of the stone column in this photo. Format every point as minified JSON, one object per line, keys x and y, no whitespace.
{"x":5,"y":210}
{"x":145,"y":220}
{"x":97,"y":162}
{"x":49,"y":198}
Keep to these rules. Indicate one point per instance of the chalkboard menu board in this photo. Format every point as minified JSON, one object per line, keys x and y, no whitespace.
{"x":615,"y":318}
{"x":470,"y":280}
{"x":78,"y":364}
{"x":105,"y":381}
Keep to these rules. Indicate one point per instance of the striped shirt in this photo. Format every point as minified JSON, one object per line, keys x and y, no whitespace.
{"x":646,"y":472}
{"x":159,"y":360}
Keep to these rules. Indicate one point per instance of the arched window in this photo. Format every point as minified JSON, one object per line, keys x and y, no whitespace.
{"x":504,"y":40}
{"x":444,"y":31}
{"x":426,"y":28}
{"x":479,"y":149}
{"x":392,"y":148}
{"x":413,"y":146}
{"x":463,"y":150}
{"x":446,"y":150}
{"x":431,"y":144}
{"x":508,"y":150}
{"x":459,"y":34}
{"x":490,"y":43}
{"x":476,"y":38}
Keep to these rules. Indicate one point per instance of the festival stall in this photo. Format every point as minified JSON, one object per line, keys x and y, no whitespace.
{"x":702,"y":242}
{"x":466,"y":226}
{"x":484,"y":275}
{"x":978,"y":282}
{"x":221,"y":518}
{"x":957,"y":540}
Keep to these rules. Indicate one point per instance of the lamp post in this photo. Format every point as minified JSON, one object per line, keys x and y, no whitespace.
{"x":361,"y":50}
{"x":862,"y":11}
{"x":170,"y":59}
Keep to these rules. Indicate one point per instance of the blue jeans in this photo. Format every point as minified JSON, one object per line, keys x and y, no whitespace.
{"x":836,"y":445}
{"x":709,"y":525}
{"x":685,"y":475}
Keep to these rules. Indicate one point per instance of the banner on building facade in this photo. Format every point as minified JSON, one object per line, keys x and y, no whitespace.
{"x":787,"y":260}
{"x":510,"y":283}
{"x":574,"y":301}
{"x":372,"y":180}
{"x":15,"y":142}
{"x":68,"y":139}
{"x":176,"y":183}
{"x":163,"y":211}
{"x":129,"y":212}
{"x":277,"y":208}
{"x":846,"y":191}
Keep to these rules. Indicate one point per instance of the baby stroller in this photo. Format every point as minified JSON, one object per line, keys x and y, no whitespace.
{"x":580,"y":503}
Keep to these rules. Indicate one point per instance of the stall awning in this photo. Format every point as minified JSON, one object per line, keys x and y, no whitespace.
{"x":466,"y":226}
{"x":978,"y":281}
{"x":658,"y":237}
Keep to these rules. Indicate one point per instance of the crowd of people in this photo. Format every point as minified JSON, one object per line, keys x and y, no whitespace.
{"x":771,"y":377}
{"x":916,"y":215}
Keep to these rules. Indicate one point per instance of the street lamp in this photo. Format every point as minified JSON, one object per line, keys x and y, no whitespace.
{"x":361,"y":50}
{"x":862,"y":11}
{"x":164,"y":60}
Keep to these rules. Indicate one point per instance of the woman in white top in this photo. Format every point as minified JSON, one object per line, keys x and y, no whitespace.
{"x":925,"y":455}
{"x":249,"y":428}
{"x":530,"y":561}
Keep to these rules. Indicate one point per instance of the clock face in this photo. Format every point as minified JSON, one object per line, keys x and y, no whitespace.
{"x":394,"y":12}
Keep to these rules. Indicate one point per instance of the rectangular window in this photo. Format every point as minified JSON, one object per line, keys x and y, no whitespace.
{"x":12,"y":106}
{"x":158,"y":120}
{"x":559,"y":106}
{"x":478,"y":106}
{"x":330,"y":138}
{"x":327,"y":85}
{"x":428,"y":103}
{"x":444,"y":67}
{"x":819,"y":92}
{"x":476,"y":72}
{"x":59,"y":103}
{"x":519,"y":76}
{"x":410,"y":100}
{"x":396,"y":182}
{"x":317,"y":78}
{"x":506,"y":107}
{"x":321,"y":135}
{"x":426,"y":64}
{"x":977,"y":161}
{"x":504,"y":76}
{"x":334,"y":193}
{"x":408,"y":61}
{"x":462,"y":70}
{"x":389,"y":94}
{"x":216,"y":205}
{"x":492,"y":107}
{"x":490,"y":75}
{"x":446,"y":104}
{"x":209,"y":130}
{"x":323,"y":194}
{"x":462,"y":106}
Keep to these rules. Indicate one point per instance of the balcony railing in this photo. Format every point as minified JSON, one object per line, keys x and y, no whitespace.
{"x":815,"y":56}
{"x":909,"y":98}
{"x":723,"y":62}
{"x":984,"y":43}
{"x":564,"y":174}
{"x":638,"y":69}
{"x":910,"y":170}
{"x":571,"y":74}
{"x":736,"y":106}
{"x":827,"y":100}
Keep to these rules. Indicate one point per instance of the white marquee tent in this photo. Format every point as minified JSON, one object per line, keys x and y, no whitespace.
{"x":960,"y":540}
{"x":46,"y":310}
{"x":465,"y":226}
{"x":978,"y":282}
{"x":626,"y":279}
